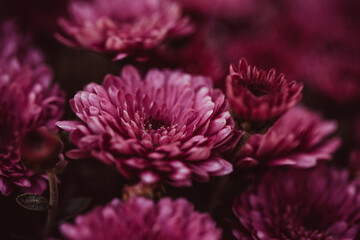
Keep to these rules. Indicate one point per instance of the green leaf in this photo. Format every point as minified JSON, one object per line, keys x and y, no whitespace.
{"x":33,"y":202}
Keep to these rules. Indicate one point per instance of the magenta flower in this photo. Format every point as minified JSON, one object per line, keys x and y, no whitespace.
{"x":311,"y":204}
{"x":299,"y":138}
{"x":170,"y":127}
{"x":122,"y":27}
{"x":15,"y":45}
{"x":255,"y":95}
{"x":141,"y":218}
{"x":28,"y":101}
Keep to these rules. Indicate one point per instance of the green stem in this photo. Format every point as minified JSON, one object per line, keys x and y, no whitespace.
{"x":221,"y":186}
{"x":53,"y":201}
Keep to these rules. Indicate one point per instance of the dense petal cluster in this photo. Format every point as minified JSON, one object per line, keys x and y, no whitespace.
{"x":122,"y":27}
{"x":311,"y":204}
{"x":141,"y":218}
{"x":255,"y":95}
{"x":299,"y":138}
{"x":171,"y":126}
{"x":28,"y":101}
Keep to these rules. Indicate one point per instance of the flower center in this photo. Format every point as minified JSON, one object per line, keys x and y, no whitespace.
{"x":258,"y":90}
{"x":155,"y":124}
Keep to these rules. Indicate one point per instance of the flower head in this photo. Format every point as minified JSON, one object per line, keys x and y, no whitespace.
{"x":28,"y":101}
{"x":141,"y":218}
{"x":170,"y":127}
{"x":255,"y":95}
{"x":299,"y":138}
{"x":122,"y":27}
{"x":311,"y":204}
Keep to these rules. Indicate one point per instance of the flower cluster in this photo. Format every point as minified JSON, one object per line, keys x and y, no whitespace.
{"x":28,"y":101}
{"x":158,"y":112}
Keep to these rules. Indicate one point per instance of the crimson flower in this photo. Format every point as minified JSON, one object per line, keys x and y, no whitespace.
{"x":336,"y":78}
{"x":28,"y":101}
{"x":299,"y":138}
{"x":311,"y":204}
{"x":170,"y":127}
{"x":255,"y":95}
{"x":122,"y":27}
{"x":141,"y":218}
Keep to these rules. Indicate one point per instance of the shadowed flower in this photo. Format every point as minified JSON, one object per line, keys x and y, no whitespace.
{"x":28,"y":101}
{"x":312,"y":204}
{"x":141,"y":218}
{"x":12,"y":44}
{"x":335,"y":78}
{"x":255,"y":95}
{"x":122,"y":27}
{"x":170,"y":127}
{"x":228,"y":9}
{"x":298,"y":138}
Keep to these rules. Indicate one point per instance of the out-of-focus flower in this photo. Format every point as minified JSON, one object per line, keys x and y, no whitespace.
{"x":356,"y":127}
{"x":15,"y":45}
{"x":40,"y":150}
{"x":28,"y":101}
{"x":141,"y":218}
{"x":122,"y":27}
{"x":310,"y":204}
{"x":257,"y":96}
{"x":298,"y":138}
{"x":228,"y":9}
{"x":265,"y":53}
{"x":196,"y":57}
{"x":354,"y":163}
{"x":334,"y":77}
{"x":170,"y":127}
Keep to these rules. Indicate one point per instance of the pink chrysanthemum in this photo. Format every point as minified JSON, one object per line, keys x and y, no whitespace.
{"x":28,"y":101}
{"x":141,"y":218}
{"x":122,"y":27}
{"x":298,"y":138}
{"x":170,"y":127}
{"x":255,"y":95}
{"x":313,"y":204}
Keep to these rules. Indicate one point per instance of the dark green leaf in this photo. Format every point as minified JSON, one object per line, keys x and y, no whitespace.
{"x":33,"y":202}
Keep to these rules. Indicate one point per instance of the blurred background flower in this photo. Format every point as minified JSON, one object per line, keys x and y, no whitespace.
{"x":141,"y":218}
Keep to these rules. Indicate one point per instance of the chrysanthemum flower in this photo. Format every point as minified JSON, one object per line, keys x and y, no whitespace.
{"x":141,"y":218}
{"x":28,"y":101}
{"x":122,"y":27}
{"x":311,"y":204}
{"x":255,"y":95}
{"x":170,"y":127}
{"x":299,"y":138}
